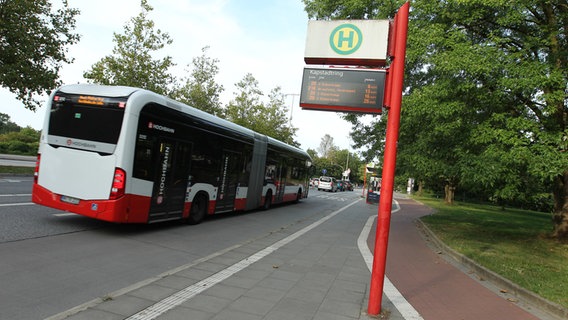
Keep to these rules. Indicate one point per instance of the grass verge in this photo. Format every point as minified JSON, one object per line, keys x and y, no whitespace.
{"x":16,"y":170}
{"x":513,"y":243}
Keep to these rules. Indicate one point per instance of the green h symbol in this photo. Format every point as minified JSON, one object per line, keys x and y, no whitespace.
{"x":341,"y":38}
{"x":345,"y":33}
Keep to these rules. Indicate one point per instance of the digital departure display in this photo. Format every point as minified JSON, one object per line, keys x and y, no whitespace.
{"x":343,"y":90}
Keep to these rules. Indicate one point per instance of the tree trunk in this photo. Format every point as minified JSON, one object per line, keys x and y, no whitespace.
{"x":449,"y":191}
{"x":560,"y":212}
{"x":420,"y":187}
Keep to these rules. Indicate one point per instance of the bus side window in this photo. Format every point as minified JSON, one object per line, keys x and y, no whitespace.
{"x":143,"y":164}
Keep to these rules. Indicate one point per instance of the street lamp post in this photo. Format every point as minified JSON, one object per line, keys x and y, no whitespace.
{"x":294,"y":95}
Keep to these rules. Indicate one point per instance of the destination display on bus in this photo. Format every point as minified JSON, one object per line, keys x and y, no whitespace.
{"x":343,"y":90}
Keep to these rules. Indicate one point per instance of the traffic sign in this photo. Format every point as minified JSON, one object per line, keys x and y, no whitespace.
{"x":347,"y":42}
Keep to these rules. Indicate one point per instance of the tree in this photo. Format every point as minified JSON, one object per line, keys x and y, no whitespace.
{"x":493,"y":74}
{"x":33,"y":47}
{"x":200,"y":89}
{"x":247,"y":110}
{"x":24,"y":141}
{"x":326,"y":146}
{"x":276,"y":121}
{"x":131,"y":63}
{"x":246,"y":107}
{"x":6,"y":125}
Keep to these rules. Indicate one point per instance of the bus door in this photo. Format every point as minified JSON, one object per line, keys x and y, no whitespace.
{"x":228,"y":181}
{"x":281,"y":184}
{"x":170,"y":181}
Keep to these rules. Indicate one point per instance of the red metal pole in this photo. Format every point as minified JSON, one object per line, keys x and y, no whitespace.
{"x":365,"y":181}
{"x":389,"y":162}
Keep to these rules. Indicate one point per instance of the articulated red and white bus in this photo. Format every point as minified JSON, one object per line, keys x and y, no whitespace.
{"x":128,"y":155}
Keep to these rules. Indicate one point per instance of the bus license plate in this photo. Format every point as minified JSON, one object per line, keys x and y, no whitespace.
{"x":70,"y":200}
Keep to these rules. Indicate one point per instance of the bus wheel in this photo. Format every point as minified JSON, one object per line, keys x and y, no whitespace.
{"x":267,"y":200}
{"x":198,"y":209}
{"x":299,"y":196}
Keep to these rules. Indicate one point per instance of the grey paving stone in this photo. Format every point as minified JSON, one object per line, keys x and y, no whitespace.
{"x":222,"y":290}
{"x":274,"y":283}
{"x":235,"y":315}
{"x":268,"y":264}
{"x":207,"y":303}
{"x":196,"y":274}
{"x":152,"y":292}
{"x":289,"y":308}
{"x":186,"y":313}
{"x":125,"y":305}
{"x":283,"y":315}
{"x":268,"y":294}
{"x":351,"y":286}
{"x":210,"y":266}
{"x":234,"y":254}
{"x":252,"y":273}
{"x":255,"y":306}
{"x":354,"y":275}
{"x":241,"y":282}
{"x":320,"y":315}
{"x":176,"y":282}
{"x":93,"y":314}
{"x":349,"y":309}
{"x":225,"y":260}
{"x":306,"y":294}
{"x":286,"y":275}
{"x":346,"y":295}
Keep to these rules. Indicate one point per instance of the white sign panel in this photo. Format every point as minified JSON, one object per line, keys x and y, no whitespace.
{"x":349,"y":42}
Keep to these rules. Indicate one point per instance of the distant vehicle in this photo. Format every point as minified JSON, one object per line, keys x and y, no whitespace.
{"x":128,"y":155}
{"x":340,"y":185}
{"x":314,"y":182}
{"x":327,"y":184}
{"x":348,"y":186}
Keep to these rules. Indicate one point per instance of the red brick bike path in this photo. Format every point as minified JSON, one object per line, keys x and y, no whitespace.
{"x":437,"y":289}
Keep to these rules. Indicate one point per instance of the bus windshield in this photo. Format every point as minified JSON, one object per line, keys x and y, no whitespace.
{"x":85,"y":122}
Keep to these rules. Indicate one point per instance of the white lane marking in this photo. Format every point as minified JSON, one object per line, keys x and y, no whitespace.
{"x":16,"y":204}
{"x":401,"y":304}
{"x":176,"y":299}
{"x":16,"y":195}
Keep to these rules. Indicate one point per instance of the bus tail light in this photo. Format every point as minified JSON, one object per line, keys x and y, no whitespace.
{"x":118,"y":184}
{"x":36,"y":170}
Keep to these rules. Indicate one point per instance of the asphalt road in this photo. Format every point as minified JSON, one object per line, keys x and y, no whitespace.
{"x":53,"y":261}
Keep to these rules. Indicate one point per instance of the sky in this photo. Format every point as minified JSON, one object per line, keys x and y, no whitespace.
{"x":264,"y":38}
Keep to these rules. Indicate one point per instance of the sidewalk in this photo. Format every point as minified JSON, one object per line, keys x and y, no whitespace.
{"x":312,"y":270}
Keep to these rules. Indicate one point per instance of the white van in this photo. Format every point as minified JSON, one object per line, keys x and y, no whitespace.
{"x":327,"y":184}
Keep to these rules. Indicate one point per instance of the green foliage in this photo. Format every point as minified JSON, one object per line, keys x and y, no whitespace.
{"x":22,"y":142}
{"x":6,"y":125}
{"x":200,"y":89}
{"x":351,"y":9}
{"x":247,"y":110}
{"x":485,"y":106}
{"x":336,"y":162}
{"x":34,"y":46}
{"x":131,"y":63}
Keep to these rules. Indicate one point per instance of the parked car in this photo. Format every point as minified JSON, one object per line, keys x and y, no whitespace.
{"x":340,"y":185}
{"x":327,"y":184}
{"x":348,"y":186}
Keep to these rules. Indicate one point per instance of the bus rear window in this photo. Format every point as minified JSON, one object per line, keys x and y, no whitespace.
{"x":87,"y":118}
